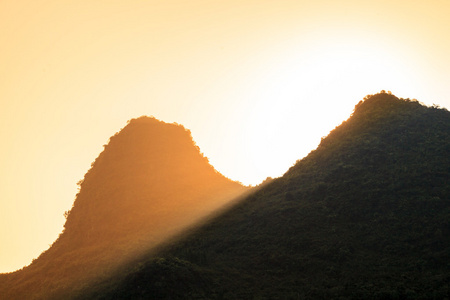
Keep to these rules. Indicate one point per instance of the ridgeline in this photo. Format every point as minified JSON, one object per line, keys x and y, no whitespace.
{"x":364,"y":216}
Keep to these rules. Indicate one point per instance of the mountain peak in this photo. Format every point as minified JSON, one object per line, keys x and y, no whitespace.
{"x":148,"y":164}
{"x":384,"y":103}
{"x":149,"y":183}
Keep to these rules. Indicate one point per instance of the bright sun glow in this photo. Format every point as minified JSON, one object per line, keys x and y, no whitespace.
{"x":301,"y":96}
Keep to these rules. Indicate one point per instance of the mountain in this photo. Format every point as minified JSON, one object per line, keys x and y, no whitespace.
{"x":364,"y":216}
{"x":149,"y":183}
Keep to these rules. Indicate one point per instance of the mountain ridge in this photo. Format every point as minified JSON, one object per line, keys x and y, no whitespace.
{"x":364,"y":216}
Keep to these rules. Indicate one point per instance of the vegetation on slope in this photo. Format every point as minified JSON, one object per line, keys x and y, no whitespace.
{"x":150,"y":182}
{"x":364,"y":216}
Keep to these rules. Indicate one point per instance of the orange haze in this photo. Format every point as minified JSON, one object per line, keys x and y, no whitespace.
{"x":257,"y":82}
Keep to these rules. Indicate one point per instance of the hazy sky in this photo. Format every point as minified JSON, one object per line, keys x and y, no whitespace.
{"x":257,"y":82}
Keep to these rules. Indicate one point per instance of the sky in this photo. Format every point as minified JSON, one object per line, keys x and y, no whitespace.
{"x":258,"y":83}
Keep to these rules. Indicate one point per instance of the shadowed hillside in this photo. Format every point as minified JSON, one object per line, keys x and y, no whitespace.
{"x":364,"y":216}
{"x":150,"y":182}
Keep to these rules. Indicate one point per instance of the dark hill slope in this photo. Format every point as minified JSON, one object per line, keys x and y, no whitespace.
{"x":364,"y":216}
{"x":150,"y":182}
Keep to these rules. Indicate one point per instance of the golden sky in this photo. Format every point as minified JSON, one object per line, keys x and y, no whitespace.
{"x":257,"y":82}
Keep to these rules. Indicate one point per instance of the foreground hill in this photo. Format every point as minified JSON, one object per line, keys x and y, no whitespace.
{"x":364,"y":216}
{"x":149,"y":183}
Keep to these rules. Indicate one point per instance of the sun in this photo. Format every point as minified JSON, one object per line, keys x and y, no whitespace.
{"x":300,"y":95}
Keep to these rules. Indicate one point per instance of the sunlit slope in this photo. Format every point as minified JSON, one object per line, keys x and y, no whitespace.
{"x":364,"y":216}
{"x":150,"y":182}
